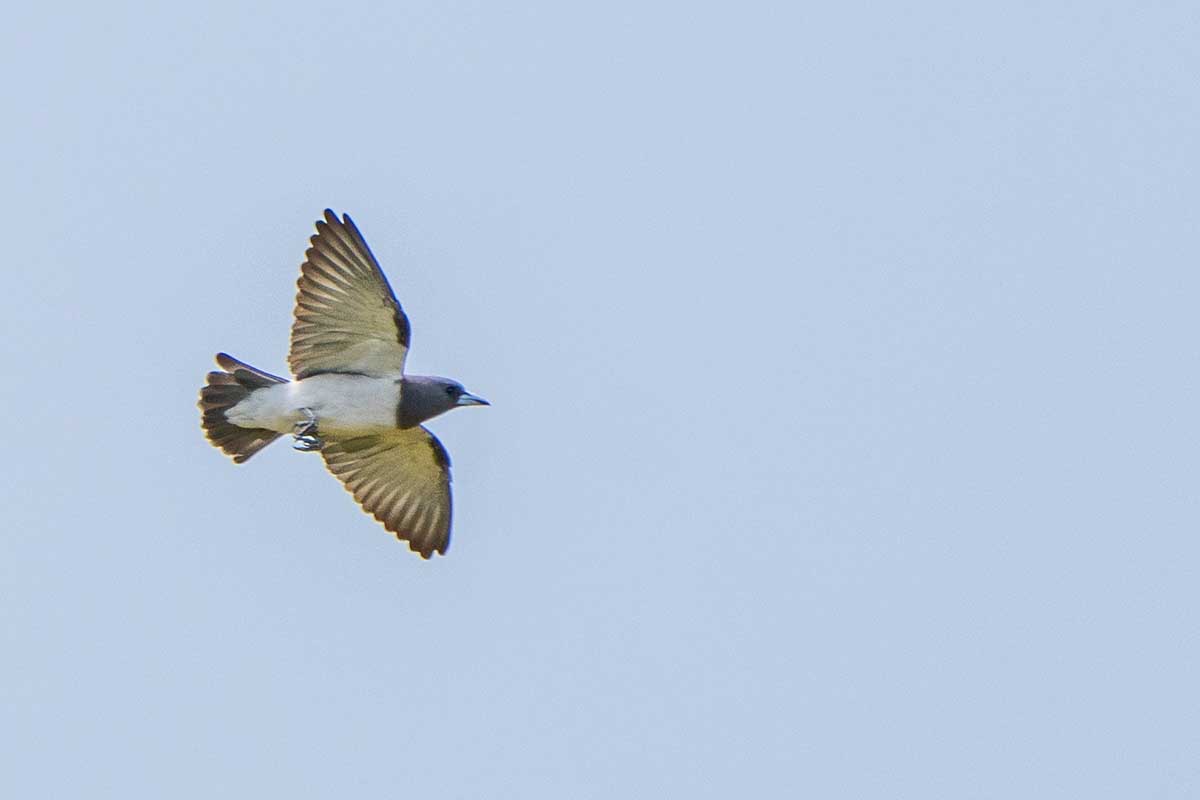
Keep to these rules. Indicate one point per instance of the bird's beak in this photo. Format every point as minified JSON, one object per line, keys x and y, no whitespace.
{"x":467,"y":399}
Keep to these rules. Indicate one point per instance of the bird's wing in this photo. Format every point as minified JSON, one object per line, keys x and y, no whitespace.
{"x":402,"y":477}
{"x":347,"y":319}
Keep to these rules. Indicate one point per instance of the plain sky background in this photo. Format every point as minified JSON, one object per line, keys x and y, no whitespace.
{"x":844,"y":369}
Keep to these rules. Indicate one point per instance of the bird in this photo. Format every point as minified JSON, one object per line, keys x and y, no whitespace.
{"x":349,"y":398}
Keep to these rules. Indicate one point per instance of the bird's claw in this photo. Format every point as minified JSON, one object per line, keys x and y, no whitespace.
{"x":306,"y":426}
{"x":305,"y":433}
{"x":306,"y":443}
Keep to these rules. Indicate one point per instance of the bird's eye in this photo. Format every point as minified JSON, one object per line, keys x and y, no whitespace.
{"x":451,"y":391}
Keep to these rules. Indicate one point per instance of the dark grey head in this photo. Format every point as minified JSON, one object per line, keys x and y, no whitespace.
{"x":423,"y":397}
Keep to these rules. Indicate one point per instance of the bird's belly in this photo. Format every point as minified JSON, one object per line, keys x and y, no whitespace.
{"x":342,"y":404}
{"x":348,"y":403}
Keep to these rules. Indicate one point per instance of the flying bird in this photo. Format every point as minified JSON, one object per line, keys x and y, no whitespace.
{"x":349,"y":399}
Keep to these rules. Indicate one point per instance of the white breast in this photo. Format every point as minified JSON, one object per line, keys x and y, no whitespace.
{"x":343,"y":404}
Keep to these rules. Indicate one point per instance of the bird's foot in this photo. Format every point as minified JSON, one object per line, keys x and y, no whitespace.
{"x":305,"y":433}
{"x":307,"y":444}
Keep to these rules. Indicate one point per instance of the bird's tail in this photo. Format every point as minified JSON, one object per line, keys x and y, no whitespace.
{"x":223,"y":391}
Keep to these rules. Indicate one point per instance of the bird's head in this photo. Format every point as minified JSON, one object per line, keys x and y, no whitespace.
{"x":423,"y":397}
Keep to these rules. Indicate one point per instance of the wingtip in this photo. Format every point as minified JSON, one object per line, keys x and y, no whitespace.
{"x":425,"y":552}
{"x":331,"y":218}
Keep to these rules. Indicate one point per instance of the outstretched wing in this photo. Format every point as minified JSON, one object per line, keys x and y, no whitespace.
{"x":402,"y":478}
{"x":347,"y":318}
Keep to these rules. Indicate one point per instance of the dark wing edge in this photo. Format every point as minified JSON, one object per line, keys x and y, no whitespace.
{"x":403,"y":327}
{"x":347,"y":317}
{"x":402,"y":479}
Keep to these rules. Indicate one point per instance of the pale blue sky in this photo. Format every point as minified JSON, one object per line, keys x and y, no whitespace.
{"x":844,"y":370}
